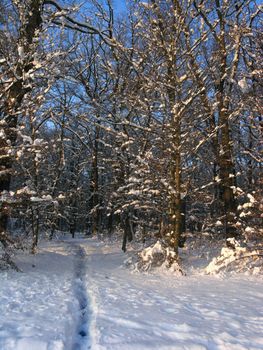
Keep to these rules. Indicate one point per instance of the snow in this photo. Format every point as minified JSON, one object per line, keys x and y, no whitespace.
{"x":2,"y":134}
{"x":38,"y":142}
{"x":251,"y":198}
{"x":247,"y":205}
{"x":243,"y":85}
{"x":37,"y":307}
{"x":137,"y":311}
{"x":249,"y":229}
{"x":44,"y":307}
{"x":148,"y":252}
{"x":25,"y":190}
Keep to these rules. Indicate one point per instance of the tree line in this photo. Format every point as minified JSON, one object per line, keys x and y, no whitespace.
{"x":150,"y":121}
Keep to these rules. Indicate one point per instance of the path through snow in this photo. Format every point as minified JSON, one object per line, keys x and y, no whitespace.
{"x":82,"y":338}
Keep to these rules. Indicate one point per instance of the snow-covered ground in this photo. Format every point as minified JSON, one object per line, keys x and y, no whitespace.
{"x":78,"y":295}
{"x":38,"y":307}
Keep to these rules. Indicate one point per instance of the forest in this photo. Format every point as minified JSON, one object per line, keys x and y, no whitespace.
{"x":147,"y":123}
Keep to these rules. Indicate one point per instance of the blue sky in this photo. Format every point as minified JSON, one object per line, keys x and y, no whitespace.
{"x":119,"y":5}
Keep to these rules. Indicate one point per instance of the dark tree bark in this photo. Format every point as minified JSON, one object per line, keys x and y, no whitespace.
{"x":94,"y":185}
{"x":128,"y":232}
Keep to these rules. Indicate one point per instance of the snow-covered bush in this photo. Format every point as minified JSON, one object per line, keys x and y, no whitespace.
{"x":235,"y":258}
{"x":158,"y":257}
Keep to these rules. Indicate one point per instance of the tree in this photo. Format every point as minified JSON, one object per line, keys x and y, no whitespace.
{"x":28,"y":24}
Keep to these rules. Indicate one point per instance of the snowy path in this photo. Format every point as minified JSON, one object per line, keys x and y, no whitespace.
{"x":82,"y":339}
{"x":76,"y":296}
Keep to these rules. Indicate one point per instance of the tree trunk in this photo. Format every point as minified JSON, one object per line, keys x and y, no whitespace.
{"x":176,"y":200}
{"x":128,"y":232}
{"x":35,"y":229}
{"x":94,"y":185}
{"x":227,"y":176}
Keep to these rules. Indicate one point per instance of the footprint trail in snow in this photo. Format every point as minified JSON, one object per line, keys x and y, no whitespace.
{"x":82,"y":337}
